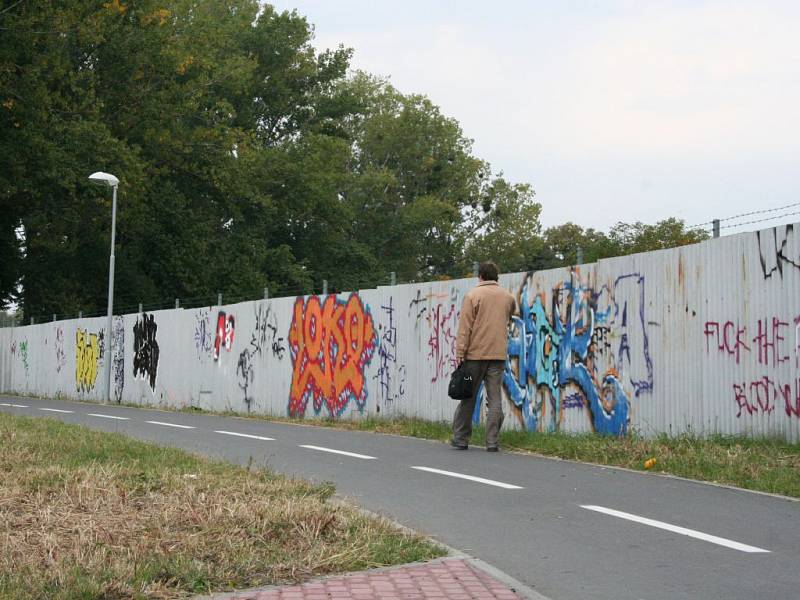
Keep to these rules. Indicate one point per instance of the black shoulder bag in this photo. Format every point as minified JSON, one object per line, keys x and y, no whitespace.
{"x":460,"y":387}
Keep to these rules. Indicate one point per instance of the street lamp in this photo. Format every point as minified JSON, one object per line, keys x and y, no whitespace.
{"x":112,"y":182}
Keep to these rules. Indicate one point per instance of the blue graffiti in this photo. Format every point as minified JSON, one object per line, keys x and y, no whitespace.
{"x":548,"y":354}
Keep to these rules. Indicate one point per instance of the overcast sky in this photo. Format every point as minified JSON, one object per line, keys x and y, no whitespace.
{"x":612,"y":110}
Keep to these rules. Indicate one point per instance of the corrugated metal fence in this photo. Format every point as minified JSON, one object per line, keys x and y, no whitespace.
{"x":703,"y":338}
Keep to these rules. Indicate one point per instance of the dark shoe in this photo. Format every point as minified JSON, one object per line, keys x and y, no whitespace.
{"x":492,"y":449}
{"x":458,"y":446}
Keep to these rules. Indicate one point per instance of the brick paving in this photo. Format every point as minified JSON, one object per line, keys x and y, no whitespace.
{"x":450,"y":578}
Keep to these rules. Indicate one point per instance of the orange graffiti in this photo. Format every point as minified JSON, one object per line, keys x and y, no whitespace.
{"x":330,"y":344}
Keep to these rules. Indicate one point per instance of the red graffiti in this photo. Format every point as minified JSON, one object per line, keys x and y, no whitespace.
{"x":442,"y":340}
{"x":761,"y":396}
{"x":728,"y":338}
{"x":768,"y":341}
{"x":225,"y":330}
{"x":331,"y":344}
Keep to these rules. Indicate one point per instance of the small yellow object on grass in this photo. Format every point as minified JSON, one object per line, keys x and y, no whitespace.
{"x":649,"y":463}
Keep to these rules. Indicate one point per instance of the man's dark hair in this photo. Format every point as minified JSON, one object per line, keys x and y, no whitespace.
{"x":488,"y":271}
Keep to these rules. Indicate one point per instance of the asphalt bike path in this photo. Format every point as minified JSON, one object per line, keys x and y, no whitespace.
{"x":567,"y":530}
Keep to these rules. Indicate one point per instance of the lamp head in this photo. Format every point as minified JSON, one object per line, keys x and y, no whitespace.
{"x":104,"y":178}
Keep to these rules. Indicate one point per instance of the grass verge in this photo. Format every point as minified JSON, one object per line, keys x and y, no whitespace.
{"x":765,"y":464}
{"x":85,"y":514}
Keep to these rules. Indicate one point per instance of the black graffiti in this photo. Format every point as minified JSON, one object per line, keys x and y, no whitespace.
{"x":387,"y":353}
{"x":266,"y":326}
{"x":414,"y":306}
{"x":278,"y":348}
{"x":774,"y":250}
{"x":118,"y":362}
{"x":145,"y":349}
{"x":601,"y":340}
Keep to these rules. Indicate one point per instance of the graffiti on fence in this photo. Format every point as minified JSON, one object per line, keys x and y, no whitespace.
{"x":766,"y":344}
{"x":89,"y":352}
{"x":203,"y":333}
{"x":145,"y":349}
{"x":226,"y":326}
{"x":118,"y":357}
{"x":778,"y":249}
{"x":581,"y":350}
{"x":23,"y":354}
{"x":61,"y":357}
{"x":331,"y":342}
{"x":442,"y":332}
{"x":278,"y":343}
{"x":390,"y":389}
{"x":264,"y":335}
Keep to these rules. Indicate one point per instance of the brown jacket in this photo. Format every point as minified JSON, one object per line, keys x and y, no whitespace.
{"x":483,"y":324}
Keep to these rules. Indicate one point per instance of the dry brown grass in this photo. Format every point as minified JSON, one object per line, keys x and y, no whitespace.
{"x":91,"y":515}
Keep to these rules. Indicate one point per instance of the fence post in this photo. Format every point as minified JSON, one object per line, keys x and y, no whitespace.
{"x":324,"y":287}
{"x":393,"y":278}
{"x":177,"y":303}
{"x":140,"y":308}
{"x":80,"y":314}
{"x":579,"y":255}
{"x":54,"y":317}
{"x":266,"y":293}
{"x":475,"y":269}
{"x":219,"y":299}
{"x":715,"y":227}
{"x":32,"y":322}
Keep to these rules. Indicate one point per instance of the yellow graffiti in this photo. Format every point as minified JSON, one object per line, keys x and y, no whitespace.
{"x":87,"y":355}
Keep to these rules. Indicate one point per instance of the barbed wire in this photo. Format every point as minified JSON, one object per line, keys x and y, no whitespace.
{"x":760,"y":220}
{"x":747,"y":214}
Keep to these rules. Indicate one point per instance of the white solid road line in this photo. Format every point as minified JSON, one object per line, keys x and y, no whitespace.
{"x":675,"y":529}
{"x":499,"y":484}
{"x":170,"y":424}
{"x":342,"y":452}
{"x":108,"y":417}
{"x":247,"y":435}
{"x":58,"y":410}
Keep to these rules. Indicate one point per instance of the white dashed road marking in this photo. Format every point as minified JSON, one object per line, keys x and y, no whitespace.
{"x":57,"y":410}
{"x":342,"y":452}
{"x":499,"y":484}
{"x":676,"y":529}
{"x":108,"y":417}
{"x":170,"y":424}
{"x":247,"y":435}
{"x":13,"y":405}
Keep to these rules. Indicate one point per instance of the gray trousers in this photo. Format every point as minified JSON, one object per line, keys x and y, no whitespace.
{"x":490,"y":372}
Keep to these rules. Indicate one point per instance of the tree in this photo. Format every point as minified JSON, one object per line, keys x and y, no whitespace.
{"x":507,"y":230}
{"x":622,"y":239}
{"x":639,"y":237}
{"x":568,"y":240}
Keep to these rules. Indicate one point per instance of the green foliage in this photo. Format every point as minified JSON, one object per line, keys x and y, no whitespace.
{"x":623,"y":238}
{"x":509,"y":231}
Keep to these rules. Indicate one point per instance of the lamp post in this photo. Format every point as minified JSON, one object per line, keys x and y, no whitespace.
{"x":112,"y":182}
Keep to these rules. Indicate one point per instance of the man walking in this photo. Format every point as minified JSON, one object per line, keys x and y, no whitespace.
{"x":483,"y":343}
